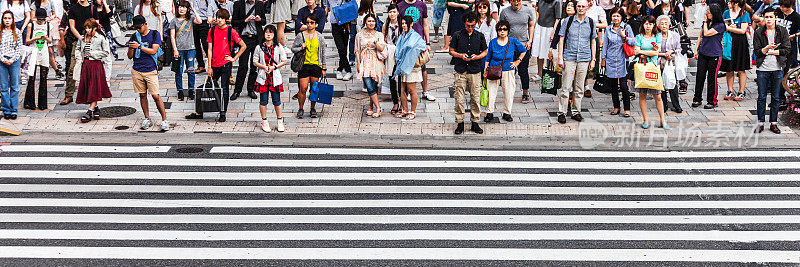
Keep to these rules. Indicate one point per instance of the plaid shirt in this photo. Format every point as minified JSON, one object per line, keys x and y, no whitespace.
{"x":9,"y":48}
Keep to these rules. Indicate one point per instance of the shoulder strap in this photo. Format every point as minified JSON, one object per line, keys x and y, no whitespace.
{"x":566,"y":31}
{"x":250,"y":12}
{"x":505,"y":53}
{"x":230,"y":44}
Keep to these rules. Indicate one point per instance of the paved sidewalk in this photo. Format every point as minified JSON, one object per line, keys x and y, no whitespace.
{"x":347,"y":114}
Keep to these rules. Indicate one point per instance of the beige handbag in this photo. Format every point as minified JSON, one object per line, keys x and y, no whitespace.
{"x":423,"y":58}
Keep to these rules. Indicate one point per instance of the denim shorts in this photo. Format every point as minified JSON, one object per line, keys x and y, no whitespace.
{"x":276,"y":98}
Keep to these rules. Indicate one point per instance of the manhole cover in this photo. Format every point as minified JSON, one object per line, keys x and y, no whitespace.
{"x":122,"y":127}
{"x":189,"y":150}
{"x":116,"y":111}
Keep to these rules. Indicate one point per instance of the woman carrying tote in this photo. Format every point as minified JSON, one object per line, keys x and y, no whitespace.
{"x":314,"y":66}
{"x":648,"y":44}
{"x":501,"y":55}
{"x":670,"y":46}
{"x":369,"y":67}
{"x":615,"y":61}
{"x":409,"y":47}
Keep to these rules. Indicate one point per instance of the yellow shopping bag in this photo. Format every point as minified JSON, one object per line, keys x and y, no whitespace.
{"x":647,"y":75}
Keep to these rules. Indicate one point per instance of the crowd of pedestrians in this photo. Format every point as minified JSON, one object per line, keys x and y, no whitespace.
{"x":490,"y":43}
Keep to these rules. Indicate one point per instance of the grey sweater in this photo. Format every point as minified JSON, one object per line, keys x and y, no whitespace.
{"x":300,"y":39}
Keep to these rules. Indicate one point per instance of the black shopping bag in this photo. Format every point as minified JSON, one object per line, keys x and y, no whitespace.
{"x":601,"y":82}
{"x":208,"y":98}
{"x":551,"y":80}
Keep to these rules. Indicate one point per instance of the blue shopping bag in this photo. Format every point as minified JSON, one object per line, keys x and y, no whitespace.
{"x":321,"y":92}
{"x":346,"y":12}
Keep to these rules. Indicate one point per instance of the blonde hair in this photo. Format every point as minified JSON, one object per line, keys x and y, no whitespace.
{"x":13,"y":27}
{"x":153,"y":6}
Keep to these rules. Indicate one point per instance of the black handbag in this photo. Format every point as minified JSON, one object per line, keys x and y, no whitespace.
{"x":299,"y":57}
{"x":208,"y":99}
{"x":601,"y":82}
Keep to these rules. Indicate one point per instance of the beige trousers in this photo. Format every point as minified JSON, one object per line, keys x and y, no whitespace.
{"x":573,"y":78}
{"x":462,"y":82}
{"x":509,"y":85}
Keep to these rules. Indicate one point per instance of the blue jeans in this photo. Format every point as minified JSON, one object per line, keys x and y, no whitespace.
{"x":276,"y":98}
{"x":768,"y":82}
{"x":111,"y":44}
{"x":371,"y":85}
{"x":9,"y":87}
{"x":187,"y":59}
{"x":353,"y":31}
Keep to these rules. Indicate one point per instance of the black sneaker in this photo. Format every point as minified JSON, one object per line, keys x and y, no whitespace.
{"x":96,"y":113}
{"x":709,"y":106}
{"x":577,"y":117}
{"x":562,"y":118}
{"x":180,"y":95}
{"x":507,"y":117}
{"x":194,"y":116}
{"x":87,"y":117}
{"x":489,"y":117}
{"x":312,"y":113}
{"x":299,"y":113}
{"x":696,"y":104}
{"x":475,"y":128}
{"x":459,"y":128}
{"x":221,"y":118}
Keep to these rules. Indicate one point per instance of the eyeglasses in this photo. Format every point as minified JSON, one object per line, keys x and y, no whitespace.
{"x":483,"y":7}
{"x":469,"y":26}
{"x":311,"y":22}
{"x":502,"y":29}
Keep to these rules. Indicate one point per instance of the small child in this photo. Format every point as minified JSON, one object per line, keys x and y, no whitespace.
{"x":268,"y":58}
{"x":39,"y":39}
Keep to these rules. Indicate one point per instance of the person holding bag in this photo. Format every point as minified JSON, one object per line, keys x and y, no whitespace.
{"x":670,"y":47}
{"x":370,"y":68}
{"x":411,"y":49}
{"x":615,"y":61}
{"x":499,"y":69}
{"x":736,"y":49}
{"x":268,"y":58}
{"x":648,"y":44}
{"x":314,"y":66}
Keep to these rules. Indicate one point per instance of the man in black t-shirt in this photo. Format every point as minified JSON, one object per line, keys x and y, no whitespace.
{"x":789,"y":19}
{"x":78,"y":14}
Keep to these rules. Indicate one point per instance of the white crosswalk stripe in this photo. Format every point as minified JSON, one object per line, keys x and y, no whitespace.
{"x":122,"y":204}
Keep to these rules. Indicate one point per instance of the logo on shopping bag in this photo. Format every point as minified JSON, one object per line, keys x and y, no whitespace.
{"x":651,"y":75}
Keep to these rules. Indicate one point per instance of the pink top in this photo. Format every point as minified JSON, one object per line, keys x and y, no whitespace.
{"x":369,"y":63}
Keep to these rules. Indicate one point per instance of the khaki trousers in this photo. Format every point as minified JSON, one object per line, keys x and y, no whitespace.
{"x":573,"y":78}
{"x":462,"y":82}
{"x":509,"y":84}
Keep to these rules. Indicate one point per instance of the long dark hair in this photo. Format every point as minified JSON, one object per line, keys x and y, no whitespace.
{"x":12,"y":26}
{"x":369,"y":15}
{"x":488,"y":13}
{"x":716,"y":14}
{"x":408,"y":21}
{"x":184,"y":3}
{"x":366,"y":6}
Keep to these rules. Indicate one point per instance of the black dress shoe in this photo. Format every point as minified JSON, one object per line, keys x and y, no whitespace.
{"x":459,"y":128}
{"x":709,"y":106}
{"x":489,"y":117}
{"x":507,"y":117}
{"x":562,"y":118}
{"x":194,"y":116}
{"x":221,"y":118}
{"x":253,"y":95}
{"x":696,"y":104}
{"x":28,"y":107}
{"x":678,"y":110}
{"x":14,"y":117}
{"x":475,"y":128}
{"x":577,"y":117}
{"x":234,"y":96}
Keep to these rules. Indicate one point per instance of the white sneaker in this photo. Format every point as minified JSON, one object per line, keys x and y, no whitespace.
{"x":339,"y":75}
{"x":281,"y":128}
{"x":429,"y":96}
{"x":265,"y":126}
{"x":536,"y":78}
{"x":347,"y":76}
{"x":435,"y":39}
{"x":164,"y":125}
{"x":146,"y":123}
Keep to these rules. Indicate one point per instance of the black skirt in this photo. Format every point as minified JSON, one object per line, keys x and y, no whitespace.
{"x":740,"y":55}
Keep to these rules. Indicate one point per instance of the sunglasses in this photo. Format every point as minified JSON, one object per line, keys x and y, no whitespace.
{"x":502,"y":29}
{"x":311,"y":22}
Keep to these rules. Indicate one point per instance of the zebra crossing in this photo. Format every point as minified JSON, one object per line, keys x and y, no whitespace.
{"x":225,"y":205}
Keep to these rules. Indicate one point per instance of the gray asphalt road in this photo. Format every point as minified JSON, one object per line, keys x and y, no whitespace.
{"x":169,"y":205}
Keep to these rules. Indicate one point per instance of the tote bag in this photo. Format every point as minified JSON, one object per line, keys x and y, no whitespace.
{"x":647,"y":76}
{"x":551,"y":80}
{"x":321,"y":92}
{"x":346,"y":12}
{"x":208,"y":99}
{"x":601,"y":82}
